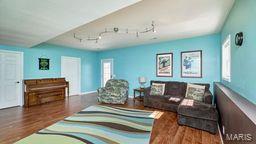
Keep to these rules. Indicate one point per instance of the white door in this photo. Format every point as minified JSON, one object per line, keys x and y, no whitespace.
{"x":71,"y":70}
{"x":106,"y":70}
{"x":11,"y":75}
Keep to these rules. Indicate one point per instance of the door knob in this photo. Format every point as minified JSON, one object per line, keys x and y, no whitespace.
{"x":17,"y":82}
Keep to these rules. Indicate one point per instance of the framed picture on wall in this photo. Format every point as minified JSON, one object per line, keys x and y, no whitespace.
{"x":191,"y":64}
{"x":44,"y":64}
{"x":164,"y":65}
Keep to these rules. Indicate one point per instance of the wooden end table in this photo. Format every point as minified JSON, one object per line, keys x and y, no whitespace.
{"x":141,"y":92}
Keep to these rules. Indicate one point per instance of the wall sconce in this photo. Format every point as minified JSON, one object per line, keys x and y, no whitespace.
{"x":239,"y":39}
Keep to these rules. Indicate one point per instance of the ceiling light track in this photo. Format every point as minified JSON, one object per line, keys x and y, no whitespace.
{"x":117,"y":30}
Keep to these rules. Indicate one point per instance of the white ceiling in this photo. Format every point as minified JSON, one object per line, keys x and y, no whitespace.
{"x":30,"y":22}
{"x":174,"y":19}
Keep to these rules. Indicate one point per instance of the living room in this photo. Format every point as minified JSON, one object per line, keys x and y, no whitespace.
{"x":137,"y":71}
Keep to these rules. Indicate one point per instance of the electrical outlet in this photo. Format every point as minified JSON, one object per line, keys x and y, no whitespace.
{"x":223,"y":129}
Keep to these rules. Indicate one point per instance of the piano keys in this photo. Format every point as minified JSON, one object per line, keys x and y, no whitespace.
{"x":40,"y":91}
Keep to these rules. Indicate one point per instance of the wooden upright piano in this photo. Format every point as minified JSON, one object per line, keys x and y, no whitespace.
{"x":39,"y":91}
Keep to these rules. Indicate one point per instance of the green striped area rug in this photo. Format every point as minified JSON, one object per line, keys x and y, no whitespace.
{"x":97,"y":125}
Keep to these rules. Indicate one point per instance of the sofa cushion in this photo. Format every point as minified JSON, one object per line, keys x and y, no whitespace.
{"x":197,"y":110}
{"x":161,"y":102}
{"x":158,"y":103}
{"x":195,"y":92}
{"x":207,"y":86}
{"x":165,"y":99}
{"x":176,"y":89}
{"x":157,"y":89}
{"x":117,"y":83}
{"x":173,"y":88}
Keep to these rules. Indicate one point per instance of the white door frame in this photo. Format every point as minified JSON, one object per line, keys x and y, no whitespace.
{"x":112,"y":69}
{"x":79,"y":70}
{"x":21,"y":94}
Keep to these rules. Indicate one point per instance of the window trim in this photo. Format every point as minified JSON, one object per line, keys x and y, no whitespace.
{"x":228,"y":79}
{"x":112,"y":69}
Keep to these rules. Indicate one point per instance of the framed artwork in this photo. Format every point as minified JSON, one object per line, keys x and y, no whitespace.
{"x":164,"y":65}
{"x":191,"y":64}
{"x":44,"y":64}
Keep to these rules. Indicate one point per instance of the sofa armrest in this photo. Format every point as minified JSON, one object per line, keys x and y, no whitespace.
{"x":147,"y":91}
{"x":101,"y":90}
{"x":208,"y":97}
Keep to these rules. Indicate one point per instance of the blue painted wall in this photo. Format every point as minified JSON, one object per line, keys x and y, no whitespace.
{"x":243,"y":59}
{"x":89,"y":63}
{"x":129,"y":63}
{"x":132,"y":62}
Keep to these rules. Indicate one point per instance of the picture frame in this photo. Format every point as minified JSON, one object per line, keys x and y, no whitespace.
{"x":191,"y":64}
{"x":44,"y":63}
{"x":164,"y":65}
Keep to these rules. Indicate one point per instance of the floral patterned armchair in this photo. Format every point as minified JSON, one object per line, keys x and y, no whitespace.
{"x":115,"y":92}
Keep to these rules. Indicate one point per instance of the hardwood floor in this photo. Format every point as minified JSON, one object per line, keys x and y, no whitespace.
{"x":17,"y":123}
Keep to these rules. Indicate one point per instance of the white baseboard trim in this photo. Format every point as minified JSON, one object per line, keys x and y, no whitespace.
{"x":221,"y":139}
{"x":89,"y":92}
{"x":130,"y":96}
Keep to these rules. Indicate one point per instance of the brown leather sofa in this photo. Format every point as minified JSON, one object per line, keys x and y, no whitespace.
{"x":172,"y":89}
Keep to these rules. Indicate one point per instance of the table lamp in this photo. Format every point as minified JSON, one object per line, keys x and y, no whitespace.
{"x":142,"y":81}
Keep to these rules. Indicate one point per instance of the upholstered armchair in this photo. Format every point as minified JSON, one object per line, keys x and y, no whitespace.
{"x":115,"y":92}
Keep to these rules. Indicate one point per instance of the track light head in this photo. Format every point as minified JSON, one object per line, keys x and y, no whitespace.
{"x":116,"y":29}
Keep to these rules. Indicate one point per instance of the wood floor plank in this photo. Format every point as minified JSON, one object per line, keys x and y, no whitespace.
{"x":179,"y":135}
{"x":197,"y":137}
{"x":172,"y":131}
{"x":18,"y":122}
{"x":188,"y":136}
{"x":206,"y":138}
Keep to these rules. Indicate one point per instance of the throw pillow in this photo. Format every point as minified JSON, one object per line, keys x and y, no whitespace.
{"x":157,"y":89}
{"x":195,"y":92}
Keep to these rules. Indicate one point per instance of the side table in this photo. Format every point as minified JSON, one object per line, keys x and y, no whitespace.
{"x":141,"y":92}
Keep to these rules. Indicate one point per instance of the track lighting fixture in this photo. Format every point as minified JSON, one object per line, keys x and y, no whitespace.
{"x":119,"y":31}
